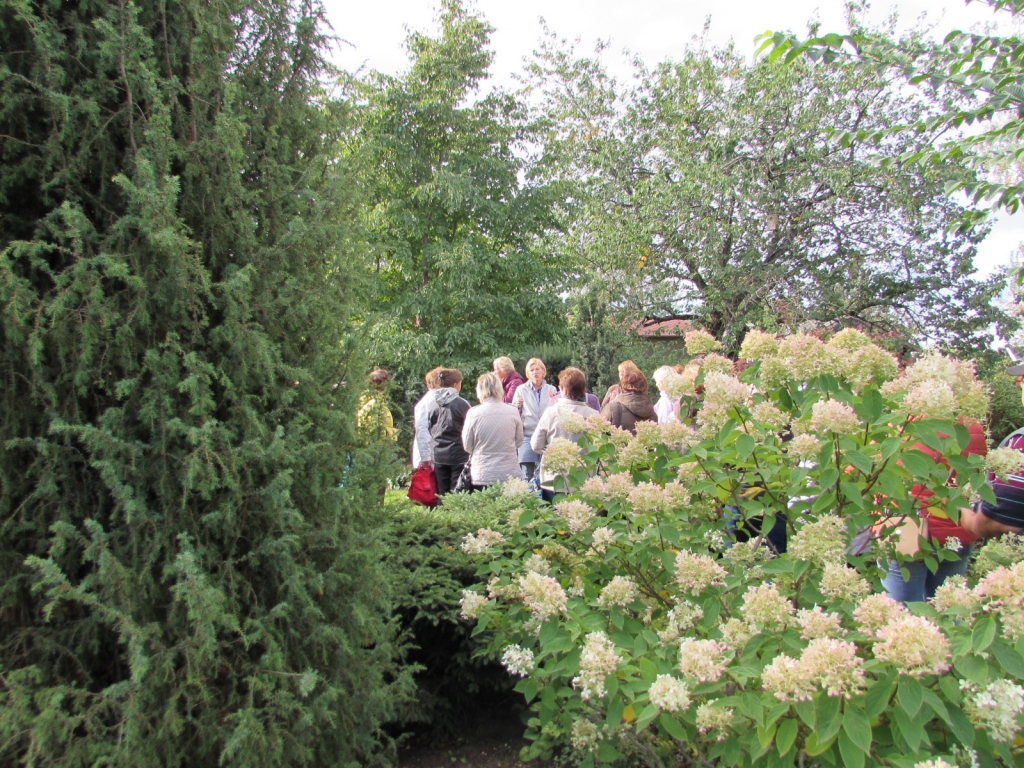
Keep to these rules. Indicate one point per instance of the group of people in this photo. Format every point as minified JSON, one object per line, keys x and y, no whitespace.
{"x":471,"y":447}
{"x":505,"y":436}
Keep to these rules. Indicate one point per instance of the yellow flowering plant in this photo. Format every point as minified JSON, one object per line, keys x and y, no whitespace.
{"x":711,"y":594}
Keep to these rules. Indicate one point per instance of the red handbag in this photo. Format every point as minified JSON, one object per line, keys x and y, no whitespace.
{"x":423,"y":487}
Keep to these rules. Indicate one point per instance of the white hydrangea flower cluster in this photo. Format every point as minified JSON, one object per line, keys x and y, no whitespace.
{"x":518,"y":660}
{"x":805,"y":447}
{"x":758,"y":345}
{"x":603,"y":538}
{"x":648,"y":498}
{"x":842,"y":583}
{"x":1008,"y":548}
{"x":679,"y":385}
{"x":560,"y":456}
{"x":821,"y":541}
{"x":806,"y":357}
{"x":722,"y":392}
{"x":936,"y":762}
{"x":703,"y":660}
{"x":766,"y":609}
{"x":621,"y":590}
{"x":1004,"y":462}
{"x":543,"y":595}
{"x":814,"y":623}
{"x":735,"y":634}
{"x":585,"y":736}
{"x":768,"y":414}
{"x":479,"y":543}
{"x":700,"y":342}
{"x":715,"y":363}
{"x":472,"y":603}
{"x":971,"y":395}
{"x":648,"y":433}
{"x":619,"y":486}
{"x":676,"y":434}
{"x":930,"y":399}
{"x":597,"y":660}
{"x":826,"y":662}
{"x":695,"y":573}
{"x":633,"y":454}
{"x":711,"y":717}
{"x":537,"y":564}
{"x":834,"y":416}
{"x":571,"y":421}
{"x":915,"y":645}
{"x":514,"y":487}
{"x":995,"y":708}
{"x":669,"y":694}
{"x":682,"y":618}
{"x":577,"y":514}
{"x":877,"y":611}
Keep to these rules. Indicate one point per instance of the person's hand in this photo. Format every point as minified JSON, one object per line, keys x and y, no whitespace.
{"x":427,"y":464}
{"x":519,"y":403}
{"x":982,"y":525}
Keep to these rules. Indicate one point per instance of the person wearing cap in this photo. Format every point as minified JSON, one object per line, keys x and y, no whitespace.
{"x":986,"y":520}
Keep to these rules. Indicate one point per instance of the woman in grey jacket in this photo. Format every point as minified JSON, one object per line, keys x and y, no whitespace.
{"x":491,"y":434}
{"x":532,"y":399}
{"x":573,"y":385}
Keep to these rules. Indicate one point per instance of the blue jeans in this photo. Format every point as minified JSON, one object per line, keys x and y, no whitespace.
{"x":923,"y":583}
{"x":528,"y":469}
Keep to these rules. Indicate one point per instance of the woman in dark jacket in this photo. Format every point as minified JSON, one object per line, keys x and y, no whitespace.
{"x":633,"y":403}
{"x":445,"y":418}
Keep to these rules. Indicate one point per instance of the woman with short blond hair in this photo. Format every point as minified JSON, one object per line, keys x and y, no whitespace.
{"x":532,"y":399}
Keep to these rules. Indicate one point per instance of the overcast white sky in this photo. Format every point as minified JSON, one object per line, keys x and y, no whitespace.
{"x":655,"y":30}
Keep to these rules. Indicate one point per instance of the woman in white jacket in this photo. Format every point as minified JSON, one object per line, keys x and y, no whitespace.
{"x":491,"y":434}
{"x":420,"y":415}
{"x":532,"y":399}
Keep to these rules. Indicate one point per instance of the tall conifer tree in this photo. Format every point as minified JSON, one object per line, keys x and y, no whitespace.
{"x":182,"y":580}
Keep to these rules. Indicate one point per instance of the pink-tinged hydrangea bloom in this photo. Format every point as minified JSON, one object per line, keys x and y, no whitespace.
{"x":543,"y":595}
{"x":695,"y":573}
{"x":995,"y":708}
{"x":1003,"y":587}
{"x":593,"y":486}
{"x":619,"y":486}
{"x":766,"y":609}
{"x":621,"y":590}
{"x":735,"y":634}
{"x":669,"y":694}
{"x":822,"y":541}
{"x":677,"y":496}
{"x":849,"y":340}
{"x":834,"y":665}
{"x":833,"y":416}
{"x":914,"y":645}
{"x":714,"y":363}
{"x":758,"y":345}
{"x":703,"y":660}
{"x":597,"y":660}
{"x":954,"y":593}
{"x":577,"y":514}
{"x":869,"y":365}
{"x":815,"y":623}
{"x":787,"y":679}
{"x":701,"y":342}
{"x":877,"y":611}
{"x":648,"y":498}
{"x":971,"y":395}
{"x":537,"y":564}
{"x":682,"y":618}
{"x":515,"y":487}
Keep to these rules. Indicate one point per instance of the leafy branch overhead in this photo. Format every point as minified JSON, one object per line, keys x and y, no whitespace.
{"x":981,"y":76}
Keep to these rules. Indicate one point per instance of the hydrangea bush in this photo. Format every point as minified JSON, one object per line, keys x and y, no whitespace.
{"x":652,"y":622}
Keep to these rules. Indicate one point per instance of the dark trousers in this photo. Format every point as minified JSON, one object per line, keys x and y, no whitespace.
{"x":447,"y":476}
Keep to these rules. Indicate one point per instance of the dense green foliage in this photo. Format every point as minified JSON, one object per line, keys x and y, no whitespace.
{"x":184,"y":583}
{"x":430,"y":572}
{"x":717,"y":191}
{"x":458,"y":228}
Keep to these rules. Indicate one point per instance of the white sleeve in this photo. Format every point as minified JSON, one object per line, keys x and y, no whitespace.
{"x":424,"y":444}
